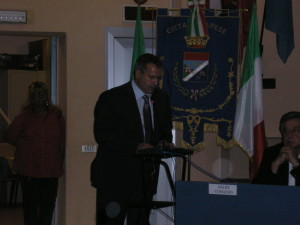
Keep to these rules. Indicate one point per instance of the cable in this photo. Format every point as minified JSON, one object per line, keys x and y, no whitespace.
{"x":166,"y":215}
{"x":205,"y":172}
{"x":198,"y":167}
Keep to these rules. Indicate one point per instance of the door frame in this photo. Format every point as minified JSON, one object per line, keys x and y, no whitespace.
{"x":58,"y":95}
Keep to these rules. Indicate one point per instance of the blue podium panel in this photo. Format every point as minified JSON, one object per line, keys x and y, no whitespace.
{"x":202,"y":203}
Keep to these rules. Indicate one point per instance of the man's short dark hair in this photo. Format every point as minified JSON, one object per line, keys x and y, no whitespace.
{"x":143,"y":60}
{"x":286,"y":117}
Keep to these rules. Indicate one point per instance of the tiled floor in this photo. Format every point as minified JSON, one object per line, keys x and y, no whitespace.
{"x":11,"y":216}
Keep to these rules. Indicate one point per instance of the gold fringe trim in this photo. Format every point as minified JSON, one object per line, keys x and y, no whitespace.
{"x":210,"y":127}
{"x":196,"y":148}
{"x":178,"y":125}
{"x":226,"y":144}
{"x":201,"y":146}
{"x":243,"y":150}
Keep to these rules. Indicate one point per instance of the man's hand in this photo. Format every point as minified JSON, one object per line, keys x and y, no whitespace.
{"x":170,"y":145}
{"x":165,"y":144}
{"x":291,"y":153}
{"x":143,"y":146}
{"x":287,"y":153}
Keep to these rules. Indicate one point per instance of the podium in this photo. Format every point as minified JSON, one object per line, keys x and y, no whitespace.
{"x":156,"y":156}
{"x":202,"y":203}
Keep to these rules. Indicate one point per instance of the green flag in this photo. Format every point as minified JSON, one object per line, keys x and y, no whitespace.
{"x":138,"y":45}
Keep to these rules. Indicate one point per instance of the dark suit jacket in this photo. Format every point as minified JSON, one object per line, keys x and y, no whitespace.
{"x":265,"y":175}
{"x":118,"y":131}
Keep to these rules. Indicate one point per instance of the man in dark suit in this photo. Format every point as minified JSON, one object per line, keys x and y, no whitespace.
{"x":280,"y":164}
{"x":122,"y":179}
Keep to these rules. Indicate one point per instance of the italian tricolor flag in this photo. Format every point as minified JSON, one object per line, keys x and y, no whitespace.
{"x":249,"y":130}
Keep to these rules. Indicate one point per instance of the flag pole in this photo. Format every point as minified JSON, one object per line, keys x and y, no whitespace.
{"x":262,"y":30}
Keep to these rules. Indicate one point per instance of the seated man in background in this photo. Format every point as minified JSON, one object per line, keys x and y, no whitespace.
{"x":280,"y":164}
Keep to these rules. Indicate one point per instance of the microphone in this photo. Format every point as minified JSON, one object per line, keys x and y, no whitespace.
{"x":152,"y":99}
{"x":112,"y":209}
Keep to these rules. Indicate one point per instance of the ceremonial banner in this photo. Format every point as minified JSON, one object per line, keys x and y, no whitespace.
{"x":200,"y":75}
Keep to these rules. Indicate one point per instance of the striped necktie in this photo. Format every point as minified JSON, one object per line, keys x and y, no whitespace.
{"x":147,"y":119}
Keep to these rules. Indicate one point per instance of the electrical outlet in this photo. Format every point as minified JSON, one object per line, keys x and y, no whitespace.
{"x":89,"y":148}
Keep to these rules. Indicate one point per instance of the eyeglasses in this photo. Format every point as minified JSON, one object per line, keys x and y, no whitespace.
{"x":295,"y":131}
